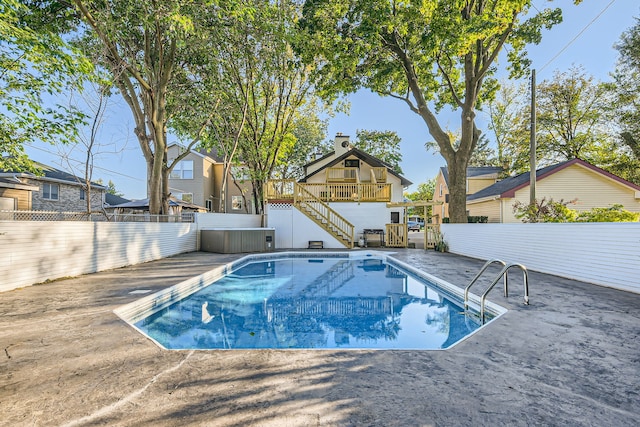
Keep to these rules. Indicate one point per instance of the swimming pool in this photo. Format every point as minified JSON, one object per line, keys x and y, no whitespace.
{"x":307,"y":300}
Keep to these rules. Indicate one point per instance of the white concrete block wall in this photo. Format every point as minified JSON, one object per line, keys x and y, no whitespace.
{"x":606,"y":254}
{"x":34,"y":252}
{"x":294,"y":229}
{"x":220,"y":220}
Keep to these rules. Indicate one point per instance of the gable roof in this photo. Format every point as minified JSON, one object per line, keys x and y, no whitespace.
{"x":52,"y":174}
{"x":365,"y":157}
{"x":472,"y":171}
{"x":508,"y":186}
{"x":144,"y":204}
{"x":212,"y":155}
{"x":112,"y":199}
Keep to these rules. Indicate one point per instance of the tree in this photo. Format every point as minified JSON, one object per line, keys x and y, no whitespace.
{"x":428,"y":54}
{"x":94,"y":102}
{"x":266,"y":84}
{"x":385,"y":145}
{"x":310,"y":133}
{"x":627,"y":103}
{"x":35,"y":62}
{"x":572,"y":119}
{"x":424,"y":191}
{"x":144,"y":45}
{"x":509,"y":121}
{"x":111,"y":188}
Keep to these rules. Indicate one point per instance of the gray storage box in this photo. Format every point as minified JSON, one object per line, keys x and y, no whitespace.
{"x":237,"y":240}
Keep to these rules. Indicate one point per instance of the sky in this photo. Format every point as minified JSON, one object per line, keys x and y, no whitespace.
{"x":585,"y":37}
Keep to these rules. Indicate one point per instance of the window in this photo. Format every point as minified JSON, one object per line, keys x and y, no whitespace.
{"x":209,"y":205}
{"x":182,"y":170}
{"x":395,"y":217}
{"x":441,"y":189}
{"x":185,"y":197}
{"x":236,"y":203}
{"x":50,"y":191}
{"x":83,"y":195}
{"x":240,"y":173}
{"x":352,"y":163}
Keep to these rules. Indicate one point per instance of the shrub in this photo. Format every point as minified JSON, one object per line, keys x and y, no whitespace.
{"x":615,"y":213}
{"x":470,"y":219}
{"x":544,"y":211}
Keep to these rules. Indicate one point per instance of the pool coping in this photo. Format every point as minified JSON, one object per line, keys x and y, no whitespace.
{"x":136,"y":310}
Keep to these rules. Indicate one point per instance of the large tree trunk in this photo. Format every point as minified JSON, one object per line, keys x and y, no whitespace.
{"x":458,"y":190}
{"x":155,"y":186}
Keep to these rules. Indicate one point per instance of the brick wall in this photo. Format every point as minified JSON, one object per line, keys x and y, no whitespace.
{"x":68,"y":198}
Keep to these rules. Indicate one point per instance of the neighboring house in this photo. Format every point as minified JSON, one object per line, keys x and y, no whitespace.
{"x":198,"y":179}
{"x":347,"y":196}
{"x":477,"y":179}
{"x":176,"y":207}
{"x":56,"y":190}
{"x":15,"y":195}
{"x":111,"y":200}
{"x":589,"y":185}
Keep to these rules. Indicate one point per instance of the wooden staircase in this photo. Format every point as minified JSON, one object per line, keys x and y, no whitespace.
{"x":322,"y":214}
{"x":331,"y":280}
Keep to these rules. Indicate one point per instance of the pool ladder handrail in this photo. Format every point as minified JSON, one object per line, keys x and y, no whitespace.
{"x":503,"y":274}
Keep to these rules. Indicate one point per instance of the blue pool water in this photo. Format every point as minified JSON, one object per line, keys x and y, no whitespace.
{"x":323,"y":303}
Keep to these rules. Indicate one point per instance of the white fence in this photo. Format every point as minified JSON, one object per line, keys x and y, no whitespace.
{"x":607,"y":254}
{"x":36,"y":251}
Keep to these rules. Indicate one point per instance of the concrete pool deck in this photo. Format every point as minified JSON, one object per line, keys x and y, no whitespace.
{"x":572,"y":357}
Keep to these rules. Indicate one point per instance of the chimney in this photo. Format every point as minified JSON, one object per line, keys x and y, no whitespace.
{"x":341,"y":144}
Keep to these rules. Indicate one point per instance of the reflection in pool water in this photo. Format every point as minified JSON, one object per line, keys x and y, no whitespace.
{"x":313,"y":303}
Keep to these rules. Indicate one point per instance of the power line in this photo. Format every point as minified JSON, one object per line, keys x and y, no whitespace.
{"x":578,"y":35}
{"x":81,"y":162}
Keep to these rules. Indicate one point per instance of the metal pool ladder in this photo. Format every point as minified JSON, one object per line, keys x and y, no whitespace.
{"x":504,"y":275}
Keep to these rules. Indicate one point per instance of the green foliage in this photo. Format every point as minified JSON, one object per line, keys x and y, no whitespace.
{"x":250,"y":75}
{"x":154,"y":52}
{"x":475,"y":219}
{"x":575,"y":116}
{"x":572,"y":119}
{"x":35,"y":65}
{"x":615,"y":213}
{"x":310,"y":132}
{"x":509,"y":123}
{"x":551,"y":211}
{"x":441,"y":245}
{"x":111,"y":188}
{"x":544,"y":211}
{"x":626,"y":103}
{"x":424,"y":192}
{"x":385,"y":145}
{"x":471,"y":219}
{"x":428,"y":53}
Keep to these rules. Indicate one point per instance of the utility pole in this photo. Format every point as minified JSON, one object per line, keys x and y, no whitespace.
{"x":532,"y":142}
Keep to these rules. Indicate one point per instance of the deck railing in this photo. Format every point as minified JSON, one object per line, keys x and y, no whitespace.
{"x":343,"y":175}
{"x":379,"y":174}
{"x":279,"y":189}
{"x":345,"y":192}
{"x":321,"y":213}
{"x":330,"y":192}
